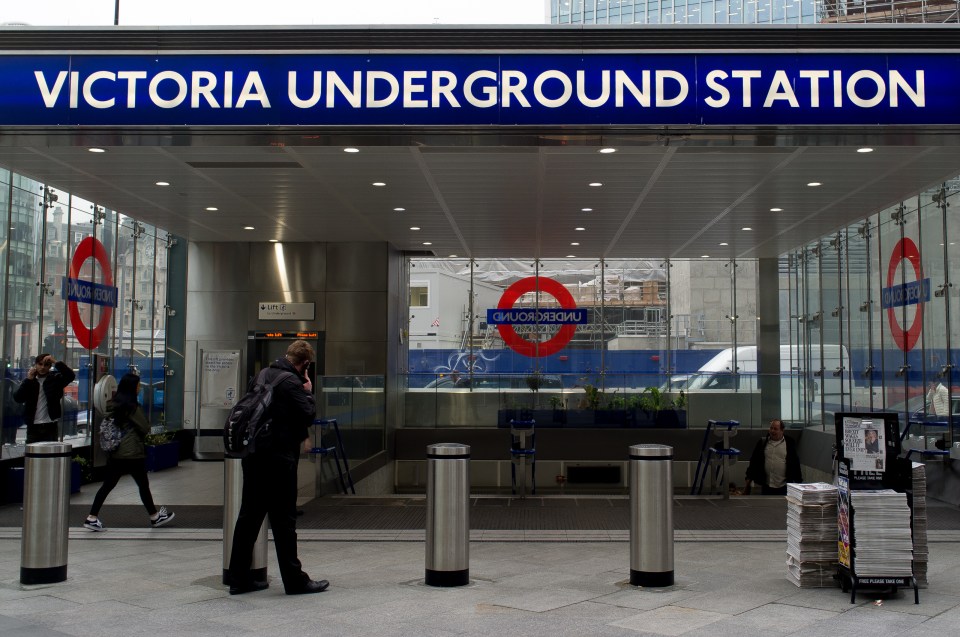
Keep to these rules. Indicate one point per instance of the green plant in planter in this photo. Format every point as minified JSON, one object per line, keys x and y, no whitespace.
{"x":592,"y":397}
{"x":153,"y":440}
{"x":86,"y":471}
{"x":557,"y":402}
{"x":653,"y":401}
{"x":535,"y":381}
{"x":617,"y":402}
{"x":680,"y":402}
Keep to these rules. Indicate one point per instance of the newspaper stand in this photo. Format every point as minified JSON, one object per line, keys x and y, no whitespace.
{"x":895,"y":475}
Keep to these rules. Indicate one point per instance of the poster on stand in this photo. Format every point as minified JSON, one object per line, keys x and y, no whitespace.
{"x":843,"y":521}
{"x":864,"y":444}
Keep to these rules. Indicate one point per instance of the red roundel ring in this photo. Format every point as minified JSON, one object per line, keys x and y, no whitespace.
{"x":905,"y":249}
{"x":87,"y":248}
{"x":530,"y":348}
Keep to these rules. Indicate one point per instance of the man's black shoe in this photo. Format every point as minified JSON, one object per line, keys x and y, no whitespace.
{"x":249,"y":587}
{"x":311,"y":586}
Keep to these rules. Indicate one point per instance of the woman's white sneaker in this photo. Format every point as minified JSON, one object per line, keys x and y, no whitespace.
{"x":93,"y":525}
{"x":162,"y":517}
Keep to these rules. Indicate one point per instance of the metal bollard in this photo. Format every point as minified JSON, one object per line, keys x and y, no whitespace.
{"x":651,"y":515}
{"x":46,"y":500}
{"x":448,"y":519}
{"x":232,"y":496}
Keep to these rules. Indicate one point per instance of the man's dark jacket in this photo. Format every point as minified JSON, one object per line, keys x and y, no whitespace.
{"x":291,"y":410}
{"x":757,"y":471}
{"x":29,"y":391}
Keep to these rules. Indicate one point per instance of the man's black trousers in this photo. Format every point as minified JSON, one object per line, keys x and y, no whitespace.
{"x":269,"y":489}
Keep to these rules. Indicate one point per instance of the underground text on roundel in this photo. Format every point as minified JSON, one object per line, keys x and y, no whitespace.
{"x":468,"y":89}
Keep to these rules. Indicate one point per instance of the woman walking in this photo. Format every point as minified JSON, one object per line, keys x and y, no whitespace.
{"x":130,"y":457}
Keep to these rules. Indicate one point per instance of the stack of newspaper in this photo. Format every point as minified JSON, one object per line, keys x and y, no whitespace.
{"x":920,"y":552}
{"x":812,"y":534}
{"x":881,"y":533}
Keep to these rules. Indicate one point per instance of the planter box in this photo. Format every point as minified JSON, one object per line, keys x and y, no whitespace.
{"x":163,"y":456}
{"x":16,"y":478}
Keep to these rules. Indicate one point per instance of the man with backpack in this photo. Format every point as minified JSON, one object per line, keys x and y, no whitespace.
{"x":270,"y":475}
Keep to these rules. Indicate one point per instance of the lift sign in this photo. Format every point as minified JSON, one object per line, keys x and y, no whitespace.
{"x":916,"y":293}
{"x":76,"y":291}
{"x":506,"y":316}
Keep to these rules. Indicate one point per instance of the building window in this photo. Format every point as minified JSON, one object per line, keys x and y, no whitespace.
{"x":419,"y":295}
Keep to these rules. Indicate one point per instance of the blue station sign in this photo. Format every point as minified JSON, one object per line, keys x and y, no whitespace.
{"x":905,"y":294}
{"x":383,"y":89}
{"x":524,"y":316}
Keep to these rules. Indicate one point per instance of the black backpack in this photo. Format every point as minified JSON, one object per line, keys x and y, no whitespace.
{"x":247,"y":429}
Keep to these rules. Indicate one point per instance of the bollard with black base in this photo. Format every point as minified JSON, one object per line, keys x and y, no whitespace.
{"x":46,"y":500}
{"x":232,"y":496}
{"x":448,"y":520}
{"x":651,"y":515}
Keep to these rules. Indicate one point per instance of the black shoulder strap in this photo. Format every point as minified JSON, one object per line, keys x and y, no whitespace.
{"x":276,"y":381}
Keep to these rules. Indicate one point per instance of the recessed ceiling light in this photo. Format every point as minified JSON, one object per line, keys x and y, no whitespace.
{"x":453,"y":256}
{"x":724,"y":243}
{"x":586,"y":210}
{"x":379,"y":184}
{"x":212,"y":208}
{"x":399,"y":209}
{"x":776,"y":210}
{"x":273,"y":240}
{"x":864,"y":150}
{"x":814,"y":184}
{"x":595,"y":184}
{"x":249,"y":228}
{"x":579,"y":229}
{"x":96,"y":150}
{"x":574,"y":243}
{"x":427,"y":243}
{"x":747,"y":228}
{"x":607,"y":151}
{"x":351,"y":150}
{"x":704,"y":256}
{"x":414,"y":227}
{"x":163,"y":183}
{"x":571,"y":256}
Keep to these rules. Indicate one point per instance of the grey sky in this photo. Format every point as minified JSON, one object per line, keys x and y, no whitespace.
{"x":272,"y":12}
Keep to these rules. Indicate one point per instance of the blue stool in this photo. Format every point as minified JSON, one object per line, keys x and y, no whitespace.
{"x":336,"y":451}
{"x":718,"y":461}
{"x":523,"y":447}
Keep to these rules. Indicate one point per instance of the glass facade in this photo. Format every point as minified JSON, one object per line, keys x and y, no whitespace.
{"x":682,"y":11}
{"x":864,"y":325}
{"x":45,"y":245}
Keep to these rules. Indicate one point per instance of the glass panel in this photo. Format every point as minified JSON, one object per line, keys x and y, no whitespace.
{"x":833,"y":394}
{"x":10,"y":412}
{"x":23,"y":274}
{"x":895,"y":370}
{"x":81,"y":227}
{"x":126,"y":275}
{"x":952,"y":306}
{"x":860,"y":312}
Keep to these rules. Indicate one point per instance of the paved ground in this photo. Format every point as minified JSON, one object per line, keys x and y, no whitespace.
{"x":132,"y":581}
{"x":167,"y":586}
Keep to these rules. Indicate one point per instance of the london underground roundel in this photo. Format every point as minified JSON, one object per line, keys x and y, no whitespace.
{"x":79,"y":292}
{"x":916,"y":292}
{"x":505,"y":317}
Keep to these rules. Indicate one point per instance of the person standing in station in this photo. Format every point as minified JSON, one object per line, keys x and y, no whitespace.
{"x":41,"y":393}
{"x":270,"y":479}
{"x":938,"y":399}
{"x":130,"y":457}
{"x":774,"y":462}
